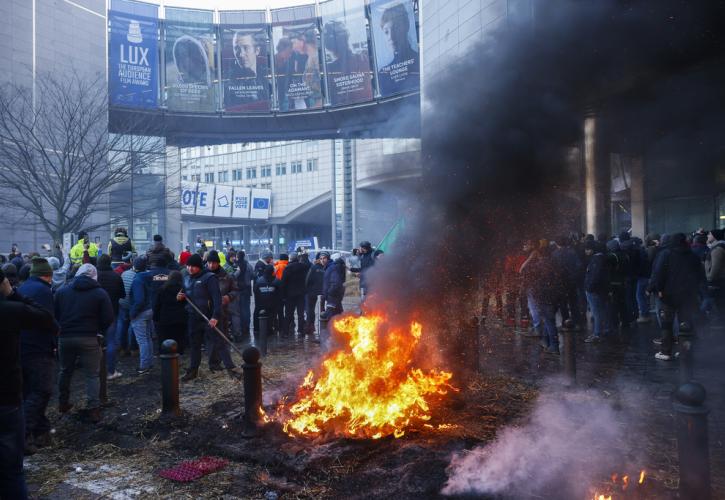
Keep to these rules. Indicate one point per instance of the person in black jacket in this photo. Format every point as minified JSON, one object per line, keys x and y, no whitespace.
{"x":37,"y":354}
{"x":367,"y":261}
{"x":265,"y":259}
{"x":245,"y":277}
{"x":313,"y":287}
{"x":170,"y":316}
{"x":218,"y":347}
{"x":596,"y":287}
{"x":293,"y":291}
{"x":333,"y":286}
{"x":267,"y":296}
{"x":112,"y":283}
{"x":83,"y":310}
{"x":17,"y":313}
{"x":677,"y":276}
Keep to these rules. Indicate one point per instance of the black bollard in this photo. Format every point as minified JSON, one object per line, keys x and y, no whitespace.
{"x":102,"y":372}
{"x":169,"y":378}
{"x":692,"y":441}
{"x":570,"y":356}
{"x":252,"y":391}
{"x":263,"y":333}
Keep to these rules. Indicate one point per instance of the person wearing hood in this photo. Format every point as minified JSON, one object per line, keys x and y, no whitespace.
{"x":313,"y":286}
{"x":158,"y":254}
{"x":267,"y":296}
{"x":619,"y":270}
{"x":37,"y":354}
{"x":218,"y":347}
{"x":83,"y":309}
{"x":677,"y":276}
{"x":367,"y":261}
{"x":112,"y":283}
{"x":293,"y":291}
{"x":18,"y":313}
{"x":119,"y":245}
{"x":59,"y":271}
{"x":596,"y":288}
{"x":333,"y":285}
{"x":170,"y":315}
{"x":84,"y":245}
{"x":201,"y":288}
{"x":144,"y":288}
{"x":715,"y":272}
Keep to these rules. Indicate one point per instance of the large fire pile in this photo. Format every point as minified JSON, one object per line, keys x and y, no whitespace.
{"x":368,"y":387}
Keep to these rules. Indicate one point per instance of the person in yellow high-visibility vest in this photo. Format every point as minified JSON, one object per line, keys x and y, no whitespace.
{"x":76,"y":253}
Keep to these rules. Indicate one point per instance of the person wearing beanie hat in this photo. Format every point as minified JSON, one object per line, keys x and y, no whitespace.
{"x":213,"y":256}
{"x":119,"y":246}
{"x":37,"y":348}
{"x":11,"y":273}
{"x":83,"y":309}
{"x":367,"y":261}
{"x":265,"y":259}
{"x":19,"y":313}
{"x":201,"y":287}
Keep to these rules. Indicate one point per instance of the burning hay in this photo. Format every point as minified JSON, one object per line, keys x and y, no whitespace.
{"x":369,"y":387}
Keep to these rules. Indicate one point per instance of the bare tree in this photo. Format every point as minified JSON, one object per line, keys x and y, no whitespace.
{"x":58,"y":161}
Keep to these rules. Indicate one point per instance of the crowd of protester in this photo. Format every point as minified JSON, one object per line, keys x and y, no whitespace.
{"x":60,"y":310}
{"x":675,"y":279}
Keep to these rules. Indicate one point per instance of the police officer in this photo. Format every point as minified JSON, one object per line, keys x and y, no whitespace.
{"x":83,"y":244}
{"x":201,"y":288}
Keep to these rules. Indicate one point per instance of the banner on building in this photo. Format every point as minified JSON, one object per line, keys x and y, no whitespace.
{"x":240,"y":208}
{"x":344,"y":32}
{"x":132,"y":60}
{"x":205,"y":199}
{"x":396,"y":46}
{"x":189,"y":193}
{"x":260,"y":204}
{"x":297,"y":65}
{"x":223,"y":199}
{"x":246,"y":78}
{"x":190,"y":67}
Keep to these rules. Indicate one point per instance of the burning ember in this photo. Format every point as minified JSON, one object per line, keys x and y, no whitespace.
{"x":620,"y":484}
{"x":367,"y":388}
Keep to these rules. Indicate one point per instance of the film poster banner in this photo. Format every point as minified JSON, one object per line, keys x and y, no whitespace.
{"x":190,"y":67}
{"x":245,"y":69}
{"x":223,"y":201}
{"x":297,"y":65}
{"x":349,"y":74}
{"x":396,"y":46}
{"x":189,"y":195}
{"x":240,"y":204}
{"x":261,"y":203}
{"x":132,"y":60}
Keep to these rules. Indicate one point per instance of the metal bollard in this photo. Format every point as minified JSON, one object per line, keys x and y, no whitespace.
{"x":169,"y":378}
{"x":102,"y":372}
{"x":324,"y":333}
{"x":692,"y":441}
{"x":320,"y":310}
{"x":252,"y":391}
{"x":570,"y":356}
{"x":263,"y":333}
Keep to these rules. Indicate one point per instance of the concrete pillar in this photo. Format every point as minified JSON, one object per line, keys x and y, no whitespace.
{"x":597,"y":178}
{"x":275,"y":239}
{"x":636,"y":193}
{"x":246,"y":238}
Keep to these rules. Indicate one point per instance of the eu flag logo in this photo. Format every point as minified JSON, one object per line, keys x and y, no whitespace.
{"x":260,"y":203}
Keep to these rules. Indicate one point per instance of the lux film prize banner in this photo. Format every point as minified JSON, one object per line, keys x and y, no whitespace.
{"x":132,"y":60}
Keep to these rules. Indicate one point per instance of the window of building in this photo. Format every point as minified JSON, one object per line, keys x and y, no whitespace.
{"x":281,"y":169}
{"x":237,"y":174}
{"x":312,"y":165}
{"x":252,"y":173}
{"x":296,"y":167}
{"x":209,"y":177}
{"x":223,"y":176}
{"x":266,"y":171}
{"x":266,"y":185}
{"x":196,"y":177}
{"x":183,"y":177}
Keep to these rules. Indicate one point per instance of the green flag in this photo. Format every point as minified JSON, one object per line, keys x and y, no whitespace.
{"x":389,"y":239}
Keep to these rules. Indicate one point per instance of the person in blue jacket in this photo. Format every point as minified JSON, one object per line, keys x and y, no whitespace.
{"x":333,"y":284}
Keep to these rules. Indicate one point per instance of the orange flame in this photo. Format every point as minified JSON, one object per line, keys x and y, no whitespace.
{"x":641,"y":477}
{"x":367,"y":388}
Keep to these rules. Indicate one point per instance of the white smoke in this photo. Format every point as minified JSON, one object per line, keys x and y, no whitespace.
{"x":570,"y":441}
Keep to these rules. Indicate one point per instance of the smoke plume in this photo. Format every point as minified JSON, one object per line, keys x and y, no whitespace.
{"x":501,"y":125}
{"x":570,"y":442}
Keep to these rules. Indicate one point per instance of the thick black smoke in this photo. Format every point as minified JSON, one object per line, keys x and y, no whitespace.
{"x":499,"y":126}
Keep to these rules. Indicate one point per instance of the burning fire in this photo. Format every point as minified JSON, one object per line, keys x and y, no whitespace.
{"x":621,"y":485}
{"x":368,"y":387}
